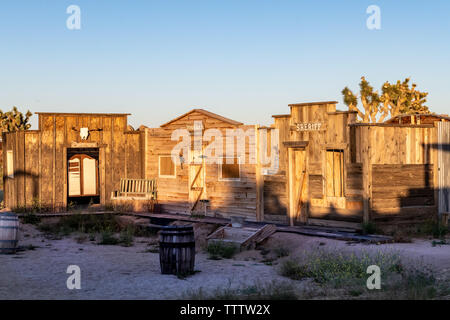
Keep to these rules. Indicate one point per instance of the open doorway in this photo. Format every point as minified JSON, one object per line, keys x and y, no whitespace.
{"x":82,"y":176}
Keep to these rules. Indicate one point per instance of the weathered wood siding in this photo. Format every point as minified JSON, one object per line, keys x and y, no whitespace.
{"x":395,"y":144}
{"x":334,"y":134}
{"x":400,"y":187}
{"x":173,"y":193}
{"x":444,"y":166}
{"x":275,"y":198}
{"x":40,"y":157}
{"x":398,"y":171}
{"x":225,"y":197}
{"x":369,"y":152}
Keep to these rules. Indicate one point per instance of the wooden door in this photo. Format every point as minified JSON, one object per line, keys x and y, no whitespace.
{"x":297,"y":185}
{"x":444,"y":166}
{"x":197,"y":185}
{"x":74,"y":176}
{"x":82,"y":176}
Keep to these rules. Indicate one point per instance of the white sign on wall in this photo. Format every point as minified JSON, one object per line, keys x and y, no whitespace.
{"x":310,"y":126}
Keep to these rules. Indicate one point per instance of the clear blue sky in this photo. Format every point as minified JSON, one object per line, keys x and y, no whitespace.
{"x":242,"y":59}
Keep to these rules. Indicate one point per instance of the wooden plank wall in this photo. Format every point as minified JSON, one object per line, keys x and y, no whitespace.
{"x":31,"y":167}
{"x":283,"y":126}
{"x":365,"y":146}
{"x":275,"y":198}
{"x":8,"y":183}
{"x":334,"y":134}
{"x":393,"y":144}
{"x":226,"y":197}
{"x":400,"y":186}
{"x":398,"y":169}
{"x":444,"y":166}
{"x":354,"y":180}
{"x":40,"y":158}
{"x":173,"y":193}
{"x":25,"y":185}
{"x":234,"y":197}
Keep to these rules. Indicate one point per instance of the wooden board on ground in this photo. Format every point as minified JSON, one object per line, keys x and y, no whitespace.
{"x":242,"y":238}
{"x":342,"y":225}
{"x":335,"y":234}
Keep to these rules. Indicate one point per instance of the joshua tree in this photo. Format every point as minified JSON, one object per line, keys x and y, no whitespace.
{"x":395,"y":99}
{"x":14,"y":120}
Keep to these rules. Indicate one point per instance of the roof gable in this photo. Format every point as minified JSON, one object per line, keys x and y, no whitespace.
{"x":206,"y":113}
{"x":424,"y":118}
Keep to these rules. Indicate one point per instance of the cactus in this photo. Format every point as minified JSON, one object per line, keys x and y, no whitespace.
{"x":14,"y":120}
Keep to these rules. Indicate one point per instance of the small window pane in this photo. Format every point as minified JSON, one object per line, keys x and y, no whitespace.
{"x":166,"y":166}
{"x":230,"y":170}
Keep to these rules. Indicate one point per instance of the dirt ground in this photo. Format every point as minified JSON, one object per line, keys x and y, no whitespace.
{"x":116,"y":272}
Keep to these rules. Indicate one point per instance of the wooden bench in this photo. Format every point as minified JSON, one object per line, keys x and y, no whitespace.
{"x":136,"y":188}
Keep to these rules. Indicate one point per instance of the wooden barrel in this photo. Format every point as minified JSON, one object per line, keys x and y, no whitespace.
{"x":177,"y":250}
{"x":9,"y":230}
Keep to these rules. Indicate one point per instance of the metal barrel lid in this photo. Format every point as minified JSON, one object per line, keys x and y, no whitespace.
{"x":177,"y":228}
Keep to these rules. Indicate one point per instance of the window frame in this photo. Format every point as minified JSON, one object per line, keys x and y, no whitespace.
{"x":159,"y":167}
{"x":220,"y":169}
{"x":342,"y":167}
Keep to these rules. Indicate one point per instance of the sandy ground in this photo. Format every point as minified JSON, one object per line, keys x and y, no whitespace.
{"x":418,"y":251}
{"x":116,"y":272}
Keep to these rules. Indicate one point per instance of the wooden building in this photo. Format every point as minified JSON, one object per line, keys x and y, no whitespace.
{"x":71,"y":157}
{"x":336,"y":169}
{"x":418,"y":119}
{"x":324,"y":168}
{"x":202,"y":186}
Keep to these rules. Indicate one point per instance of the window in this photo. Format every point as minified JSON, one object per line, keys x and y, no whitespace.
{"x":335,"y":173}
{"x":166,"y":167}
{"x":10,"y":164}
{"x":230,"y":169}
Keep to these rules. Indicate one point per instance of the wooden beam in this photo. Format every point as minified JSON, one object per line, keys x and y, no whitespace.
{"x":196,"y":176}
{"x":54,"y":165}
{"x":367,"y":173}
{"x":295,"y":144}
{"x":259,"y":179}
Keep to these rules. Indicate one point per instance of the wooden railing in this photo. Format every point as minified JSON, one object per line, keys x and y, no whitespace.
{"x":137,"y":187}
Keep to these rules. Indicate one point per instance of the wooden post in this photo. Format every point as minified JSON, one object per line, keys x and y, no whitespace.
{"x":4,"y":150}
{"x":54,"y":165}
{"x":65,"y":171}
{"x":435,"y":161}
{"x":259,"y":178}
{"x":40,"y":161}
{"x":102,"y":173}
{"x":15,"y":162}
{"x":367,"y":172}
{"x":291,"y":210}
